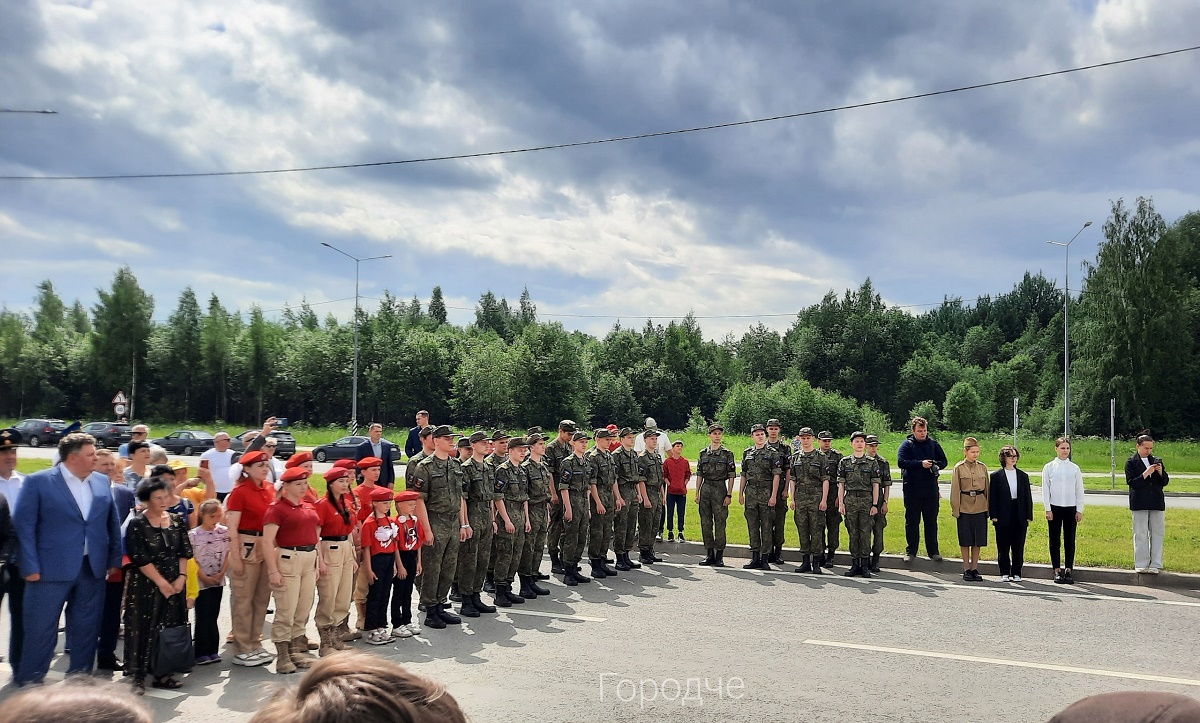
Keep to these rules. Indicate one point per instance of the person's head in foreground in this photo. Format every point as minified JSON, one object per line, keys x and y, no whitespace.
{"x":1129,"y":706}
{"x":75,"y":700}
{"x":360,"y":688}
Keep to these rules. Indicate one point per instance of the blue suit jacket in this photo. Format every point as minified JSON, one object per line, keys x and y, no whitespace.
{"x":51,"y":529}
{"x":391,"y":455}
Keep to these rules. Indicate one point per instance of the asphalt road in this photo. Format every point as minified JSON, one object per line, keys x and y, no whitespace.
{"x":777,"y":647}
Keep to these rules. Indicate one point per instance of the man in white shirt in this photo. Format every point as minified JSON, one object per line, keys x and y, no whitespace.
{"x":218,"y":460}
{"x":664,"y":442}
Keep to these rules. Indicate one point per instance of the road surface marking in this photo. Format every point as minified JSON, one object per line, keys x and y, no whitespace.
{"x":560,"y":616}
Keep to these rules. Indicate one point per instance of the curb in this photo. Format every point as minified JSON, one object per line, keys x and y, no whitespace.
{"x":1120,"y":493}
{"x":953,"y":566}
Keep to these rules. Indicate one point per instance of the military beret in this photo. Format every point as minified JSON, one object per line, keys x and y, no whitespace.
{"x":381,"y":494}
{"x":603,"y":433}
{"x":858,"y":434}
{"x":407,"y":496}
{"x":425,"y":431}
{"x":773,"y":423}
{"x":292,"y":474}
{"x":714,"y":427}
{"x":627,"y":432}
{"x":825,"y":435}
{"x":579,"y":437}
{"x":250,"y":458}
{"x":517,"y":442}
{"x":480,"y":436}
{"x":334,"y":473}
{"x":806,"y":432}
{"x":651,"y":432}
{"x":533,"y":430}
{"x":298,"y":459}
{"x":498,"y":435}
{"x":566,"y":425}
{"x":464,"y":442}
{"x":368,"y":462}
{"x":345,"y":463}
{"x":534,"y":439}
{"x":9,"y":438}
{"x":757,"y":428}
{"x":442,"y":430}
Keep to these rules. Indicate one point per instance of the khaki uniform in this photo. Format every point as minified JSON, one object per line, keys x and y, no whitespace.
{"x":411,"y":467}
{"x":880,"y":521}
{"x":572,"y":480}
{"x":513,"y":487}
{"x":473,"y":555}
{"x":809,"y":476}
{"x":714,"y":469}
{"x":538,"y":479}
{"x":650,"y":471}
{"x":760,"y":466}
{"x":860,"y":477}
{"x":556,"y":452}
{"x":441,"y":486}
{"x":969,"y":487}
{"x":833,"y":517}
{"x":602,"y":472}
{"x":779,"y":521}
{"x":625,"y":523}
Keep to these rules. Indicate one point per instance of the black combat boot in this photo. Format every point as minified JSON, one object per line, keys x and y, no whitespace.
{"x":874,"y":566}
{"x":828,"y":559}
{"x":719,"y":558}
{"x":538,"y":589}
{"x":481,"y":606}
{"x":541,"y":576}
{"x":710,"y":556}
{"x":500,"y":598}
{"x":433,"y":620}
{"x":467,"y":607}
{"x":754,"y":564}
{"x":527,"y":592}
{"x":455,"y":596}
{"x":816,"y":565}
{"x":579,"y":576}
{"x":569,"y":578}
{"x":621,"y":564}
{"x":864,"y":567}
{"x":645,"y":557}
{"x":610,"y":572}
{"x":598,"y":568}
{"x":556,"y":564}
{"x":776,"y":555}
{"x":654,"y":557}
{"x":512,"y":597}
{"x":805,"y":565}
{"x":489,"y":583}
{"x":449,"y":617}
{"x":854,"y":568}
{"x":634,"y":564}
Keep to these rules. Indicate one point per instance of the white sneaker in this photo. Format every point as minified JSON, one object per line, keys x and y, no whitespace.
{"x":1016,"y":578}
{"x":379,"y":637}
{"x":250,"y":659}
{"x":1006,"y":578}
{"x":263,"y":654}
{"x":414,"y":627}
{"x":1153,"y":570}
{"x":1141,"y":570}
{"x":401,"y":631}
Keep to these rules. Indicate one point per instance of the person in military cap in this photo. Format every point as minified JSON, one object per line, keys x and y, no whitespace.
{"x":833,"y":516}
{"x":532,"y":431}
{"x":474,"y":553}
{"x":537,"y":477}
{"x":885,"y":492}
{"x":808,"y":480}
{"x":625,"y":460}
{"x":779,"y":521}
{"x":573,"y":491}
{"x":443,"y":513}
{"x":557,"y":451}
{"x":716,"y":472}
{"x":464,"y":450}
{"x":761,"y":470}
{"x":12,"y":585}
{"x":858,"y":500}
{"x":498,"y":455}
{"x":426,"y":436}
{"x":605,"y":499}
{"x":652,"y":490}
{"x":512,"y":520}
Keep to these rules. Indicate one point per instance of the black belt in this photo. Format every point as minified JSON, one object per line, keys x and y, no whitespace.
{"x":256,"y":533}
{"x":972,"y":493}
{"x":858,"y":493}
{"x":299,"y":548}
{"x":335,"y":538}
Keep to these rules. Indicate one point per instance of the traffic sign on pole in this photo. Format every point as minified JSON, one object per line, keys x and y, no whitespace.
{"x":120,"y":398}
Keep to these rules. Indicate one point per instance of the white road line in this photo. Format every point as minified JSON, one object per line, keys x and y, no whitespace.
{"x":1010,"y":663}
{"x":559,"y":616}
{"x":55,"y":675}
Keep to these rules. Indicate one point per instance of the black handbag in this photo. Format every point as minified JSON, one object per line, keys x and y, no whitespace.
{"x":171,"y":648}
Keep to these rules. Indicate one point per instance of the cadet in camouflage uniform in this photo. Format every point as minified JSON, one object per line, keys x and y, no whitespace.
{"x":761,"y":468}
{"x":426,"y":435}
{"x":462,"y":454}
{"x":556,"y":451}
{"x":858,"y":495}
{"x":537,"y":475}
{"x":809,"y":483}
{"x":573,"y":491}
{"x":512,"y":508}
{"x":885,"y":492}
{"x":652,"y":490}
{"x":779,"y":522}
{"x":602,"y":493}
{"x":473,"y":555}
{"x":498,"y":455}
{"x":443,"y":512}
{"x":833,"y":517}
{"x":715,"y":474}
{"x":625,"y":523}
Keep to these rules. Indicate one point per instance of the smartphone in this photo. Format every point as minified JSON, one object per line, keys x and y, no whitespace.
{"x":281,"y":422}
{"x":204,"y":464}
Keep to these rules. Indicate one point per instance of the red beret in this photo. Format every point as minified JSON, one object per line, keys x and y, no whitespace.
{"x":293,"y":474}
{"x":344,"y":464}
{"x":250,"y":458}
{"x":381,"y":494}
{"x":336,"y":473}
{"x":407,"y":495}
{"x":298,"y":459}
{"x":367,"y":462}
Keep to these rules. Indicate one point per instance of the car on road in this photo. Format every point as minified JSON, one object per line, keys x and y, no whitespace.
{"x":284,"y":448}
{"x":37,"y":432}
{"x":344,"y":448}
{"x":108,"y":434}
{"x":186,"y":442}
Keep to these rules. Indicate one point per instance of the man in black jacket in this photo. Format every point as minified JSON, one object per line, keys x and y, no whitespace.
{"x":377,"y":446}
{"x":920,"y":459}
{"x":413,"y":444}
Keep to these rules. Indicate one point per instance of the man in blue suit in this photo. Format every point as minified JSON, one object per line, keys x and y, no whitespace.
{"x":377,"y":446}
{"x":70,"y":540}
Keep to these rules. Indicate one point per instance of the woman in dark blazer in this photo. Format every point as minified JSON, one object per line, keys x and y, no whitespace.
{"x":1011,"y":507}
{"x":1146,"y":477}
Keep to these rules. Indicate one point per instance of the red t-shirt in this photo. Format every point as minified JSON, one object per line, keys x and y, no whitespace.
{"x":252,"y":502}
{"x":363,"y":493}
{"x":297,"y":523}
{"x":386,"y":546}
{"x":411,"y":537}
{"x":310,"y":496}
{"x":332,"y":524}
{"x":677,"y":472}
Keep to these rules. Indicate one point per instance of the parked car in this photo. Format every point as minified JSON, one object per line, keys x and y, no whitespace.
{"x":344,"y":448}
{"x":186,"y":442}
{"x":37,"y":432}
{"x":285,"y":447}
{"x":109,"y":434}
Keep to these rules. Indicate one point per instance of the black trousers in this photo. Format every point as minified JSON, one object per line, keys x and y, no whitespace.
{"x":384,"y":567}
{"x":1010,"y":543}
{"x":402,"y":590}
{"x":207,"y":639}
{"x":1062,"y":527}
{"x":918,"y":508}
{"x":675,"y":508}
{"x":110,"y":619}
{"x":12,"y":586}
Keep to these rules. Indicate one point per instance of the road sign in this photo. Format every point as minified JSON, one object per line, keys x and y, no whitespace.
{"x":120,"y":398}
{"x":119,"y":409}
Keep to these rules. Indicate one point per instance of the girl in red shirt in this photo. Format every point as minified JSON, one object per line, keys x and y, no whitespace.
{"x":410,"y":542}
{"x":380,"y":558}
{"x":291,"y":531}
{"x":338,"y":513}
{"x":249,"y":588}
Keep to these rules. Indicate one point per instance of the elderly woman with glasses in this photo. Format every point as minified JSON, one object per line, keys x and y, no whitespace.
{"x":1011,"y":508}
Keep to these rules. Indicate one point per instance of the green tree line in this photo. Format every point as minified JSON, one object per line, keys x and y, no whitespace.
{"x":849,"y":361}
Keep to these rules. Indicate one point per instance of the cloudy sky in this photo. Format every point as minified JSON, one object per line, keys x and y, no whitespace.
{"x":951,"y":195}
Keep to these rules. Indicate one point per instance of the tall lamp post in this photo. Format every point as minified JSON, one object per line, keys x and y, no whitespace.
{"x":1067,"y":329}
{"x":354,"y":384}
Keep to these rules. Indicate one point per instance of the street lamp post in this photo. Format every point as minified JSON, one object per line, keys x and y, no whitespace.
{"x":354,"y":382}
{"x":1066,"y":329}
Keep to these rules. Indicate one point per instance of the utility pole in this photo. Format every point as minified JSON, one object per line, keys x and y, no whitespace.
{"x":1067,"y":329}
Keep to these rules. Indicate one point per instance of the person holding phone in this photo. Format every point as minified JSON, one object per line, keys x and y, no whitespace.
{"x":1146,"y":477}
{"x":1062,"y":494}
{"x":217,"y":462}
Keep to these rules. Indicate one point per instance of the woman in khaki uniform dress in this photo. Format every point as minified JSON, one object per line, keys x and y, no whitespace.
{"x":969,"y":487}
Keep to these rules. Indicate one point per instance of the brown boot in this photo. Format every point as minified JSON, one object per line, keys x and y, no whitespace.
{"x":299,"y":652}
{"x":326,"y":632}
{"x":362,"y":615}
{"x":345,"y":634}
{"x":283,"y":661}
{"x":309,"y":645}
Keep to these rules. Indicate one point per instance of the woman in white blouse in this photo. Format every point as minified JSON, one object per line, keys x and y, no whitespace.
{"x":1062,"y":494}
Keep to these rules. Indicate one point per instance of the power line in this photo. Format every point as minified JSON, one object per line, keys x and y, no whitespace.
{"x":616,"y":139}
{"x":18,"y":110}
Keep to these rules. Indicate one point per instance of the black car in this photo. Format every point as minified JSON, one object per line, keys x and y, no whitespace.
{"x":109,"y":434}
{"x":285,"y":445}
{"x":344,"y":448}
{"x":186,"y":442}
{"x":37,"y":432}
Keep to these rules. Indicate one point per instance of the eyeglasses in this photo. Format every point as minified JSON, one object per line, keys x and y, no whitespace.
{"x":271,"y":445}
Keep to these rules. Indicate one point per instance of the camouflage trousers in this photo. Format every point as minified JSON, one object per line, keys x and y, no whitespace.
{"x":810,"y":521}
{"x":554,"y":532}
{"x":600,"y":527}
{"x":575,"y":532}
{"x":878,"y":522}
{"x":713,"y":514}
{"x":626,"y":522}
{"x":858,"y":524}
{"x":535,"y":539}
{"x":439,"y":561}
{"x":779,"y":522}
{"x":474,"y":553}
{"x":833,"y":520}
{"x":648,"y":518}
{"x":760,"y":518}
{"x":509,"y":545}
